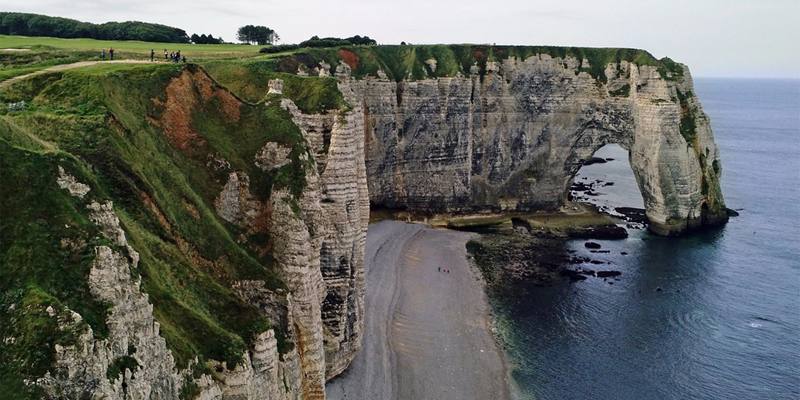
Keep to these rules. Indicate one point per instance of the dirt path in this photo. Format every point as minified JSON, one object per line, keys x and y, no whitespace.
{"x":426,"y":332}
{"x":63,"y":67}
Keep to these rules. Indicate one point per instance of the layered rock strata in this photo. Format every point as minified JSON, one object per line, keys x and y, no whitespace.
{"x":317,"y":243}
{"x":134,"y":347}
{"x":337,"y":140}
{"x":512,"y":138}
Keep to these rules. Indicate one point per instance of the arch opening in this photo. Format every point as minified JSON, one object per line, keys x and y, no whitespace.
{"x":607,"y":181}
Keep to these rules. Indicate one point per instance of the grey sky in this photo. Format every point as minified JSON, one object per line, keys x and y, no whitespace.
{"x":714,"y":37}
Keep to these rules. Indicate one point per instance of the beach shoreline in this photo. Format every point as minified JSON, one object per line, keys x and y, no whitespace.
{"x":429,"y":333}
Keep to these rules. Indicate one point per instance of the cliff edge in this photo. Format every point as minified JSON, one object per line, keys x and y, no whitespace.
{"x":467,"y":128}
{"x":186,"y":231}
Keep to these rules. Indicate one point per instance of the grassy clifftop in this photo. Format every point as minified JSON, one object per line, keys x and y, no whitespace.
{"x":249,"y":77}
{"x":411,"y":61}
{"x":151,"y":138}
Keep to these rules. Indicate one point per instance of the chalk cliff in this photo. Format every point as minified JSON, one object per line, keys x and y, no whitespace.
{"x":186,"y":232}
{"x":215,"y":246}
{"x":513,"y":137}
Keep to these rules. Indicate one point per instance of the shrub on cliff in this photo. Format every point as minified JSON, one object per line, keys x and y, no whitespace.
{"x":317,"y":42}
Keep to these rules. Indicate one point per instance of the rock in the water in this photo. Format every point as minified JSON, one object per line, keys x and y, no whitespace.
{"x":594,"y":160}
{"x":592,"y":245}
{"x":573,"y":275}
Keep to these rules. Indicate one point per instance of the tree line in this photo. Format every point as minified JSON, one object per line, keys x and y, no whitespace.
{"x":316,"y":41}
{"x":42,"y":25}
{"x":206,"y":39}
{"x":26,"y":24}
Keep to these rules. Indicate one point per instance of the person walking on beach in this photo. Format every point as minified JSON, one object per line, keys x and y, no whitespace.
{"x":152,"y":55}
{"x":111,"y":53}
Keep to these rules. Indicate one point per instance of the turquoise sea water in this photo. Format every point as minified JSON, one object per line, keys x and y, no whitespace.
{"x":715,"y":315}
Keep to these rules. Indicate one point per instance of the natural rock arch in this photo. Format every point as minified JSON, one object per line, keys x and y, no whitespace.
{"x":513,"y":138}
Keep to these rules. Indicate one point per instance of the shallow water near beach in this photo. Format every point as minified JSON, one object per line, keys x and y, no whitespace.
{"x":714,"y":315}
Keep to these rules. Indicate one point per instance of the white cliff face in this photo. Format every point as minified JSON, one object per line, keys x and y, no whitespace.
{"x":510,"y":139}
{"x":315,"y":241}
{"x":81,"y":369}
{"x":318,"y":244}
{"x":336,"y":138}
{"x":513,"y":139}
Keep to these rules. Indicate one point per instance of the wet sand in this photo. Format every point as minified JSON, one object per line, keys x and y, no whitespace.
{"x":427,"y":333}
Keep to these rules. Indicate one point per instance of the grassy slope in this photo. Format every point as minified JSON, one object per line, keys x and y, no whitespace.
{"x":43,"y":52}
{"x":247,"y":73}
{"x":249,"y":80}
{"x":93,"y":121}
{"x":130,"y":46}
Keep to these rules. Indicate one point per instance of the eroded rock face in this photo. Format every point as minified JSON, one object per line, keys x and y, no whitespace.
{"x":82,"y":370}
{"x":514,"y":138}
{"x":343,"y":208}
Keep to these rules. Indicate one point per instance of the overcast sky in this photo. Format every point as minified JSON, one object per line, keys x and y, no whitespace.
{"x":756,"y":38}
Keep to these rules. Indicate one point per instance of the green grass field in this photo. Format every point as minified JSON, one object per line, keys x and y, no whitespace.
{"x":20,"y":55}
{"x":142,"y":48}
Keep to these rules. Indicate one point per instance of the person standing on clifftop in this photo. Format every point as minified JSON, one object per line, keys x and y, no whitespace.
{"x":166,"y":55}
{"x":152,"y":55}
{"x":111,"y":53}
{"x":103,"y":55}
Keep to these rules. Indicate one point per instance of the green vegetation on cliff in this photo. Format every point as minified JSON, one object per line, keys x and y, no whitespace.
{"x":46,"y":248}
{"x":249,"y":80}
{"x":159,"y":141}
{"x":411,"y":61}
{"x":21,"y":55}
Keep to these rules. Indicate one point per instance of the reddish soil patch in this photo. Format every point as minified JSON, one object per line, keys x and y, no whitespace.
{"x":350,"y":58}
{"x":261,"y":224}
{"x":176,"y":118}
{"x":186,"y":94}
{"x":210,"y":90}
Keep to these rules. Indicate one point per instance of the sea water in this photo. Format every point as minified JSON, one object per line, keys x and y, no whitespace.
{"x":714,"y":315}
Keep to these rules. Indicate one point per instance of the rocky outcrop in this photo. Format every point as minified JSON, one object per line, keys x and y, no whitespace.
{"x":315,"y":240}
{"x":337,"y":140}
{"x":137,"y":356}
{"x":133,"y":362}
{"x":513,"y":136}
